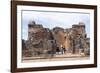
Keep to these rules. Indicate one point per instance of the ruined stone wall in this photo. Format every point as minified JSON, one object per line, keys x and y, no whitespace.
{"x":72,"y":39}
{"x":61,"y":38}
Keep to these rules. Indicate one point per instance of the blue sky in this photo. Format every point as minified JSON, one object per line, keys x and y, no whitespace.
{"x":51,"y":19}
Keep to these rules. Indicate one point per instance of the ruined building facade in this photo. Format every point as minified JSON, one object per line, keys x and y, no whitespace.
{"x":46,"y":41}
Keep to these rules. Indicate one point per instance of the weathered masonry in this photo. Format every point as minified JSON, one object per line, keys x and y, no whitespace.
{"x":50,"y":41}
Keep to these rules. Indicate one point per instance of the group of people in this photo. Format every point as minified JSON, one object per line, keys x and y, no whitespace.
{"x":61,"y":50}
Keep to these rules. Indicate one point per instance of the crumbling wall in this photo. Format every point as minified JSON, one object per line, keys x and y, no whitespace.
{"x":45,"y":41}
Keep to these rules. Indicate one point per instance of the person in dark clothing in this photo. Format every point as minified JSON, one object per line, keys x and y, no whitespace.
{"x":57,"y":50}
{"x":64,"y":50}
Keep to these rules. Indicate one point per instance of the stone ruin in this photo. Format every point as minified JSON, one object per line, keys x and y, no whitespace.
{"x":46,"y":42}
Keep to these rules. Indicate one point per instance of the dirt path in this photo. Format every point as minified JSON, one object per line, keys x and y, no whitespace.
{"x":58,"y":57}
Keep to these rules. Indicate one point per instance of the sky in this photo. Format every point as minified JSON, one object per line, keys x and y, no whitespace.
{"x":51,"y":19}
